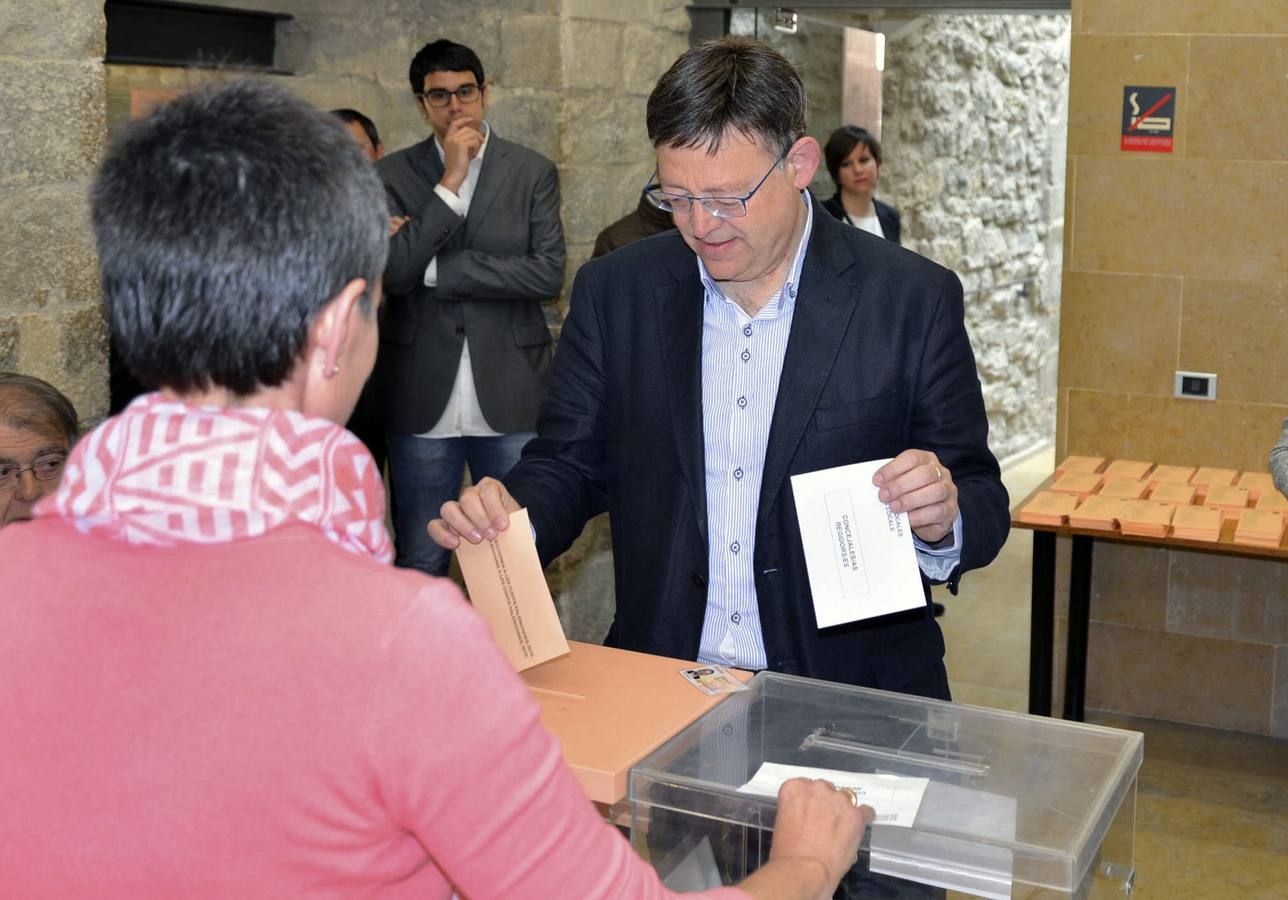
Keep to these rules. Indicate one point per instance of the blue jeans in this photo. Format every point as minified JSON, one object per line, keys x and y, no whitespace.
{"x":424,"y":473}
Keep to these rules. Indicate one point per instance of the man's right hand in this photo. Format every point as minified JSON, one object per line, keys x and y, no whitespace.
{"x":461,"y":144}
{"x":482,"y":512}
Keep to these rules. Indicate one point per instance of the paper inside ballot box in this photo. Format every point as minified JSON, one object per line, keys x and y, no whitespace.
{"x":859,"y":553}
{"x":610,"y":708}
{"x":505,"y":583}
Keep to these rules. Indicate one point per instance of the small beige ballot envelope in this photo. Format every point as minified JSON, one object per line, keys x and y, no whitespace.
{"x":858,"y":553}
{"x":505,"y":583}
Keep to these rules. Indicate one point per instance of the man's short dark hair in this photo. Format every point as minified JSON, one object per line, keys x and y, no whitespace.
{"x":723,"y":85}
{"x":842,"y":143}
{"x":368,"y":127}
{"x":225,"y":221}
{"x":443,"y":56}
{"x":31,"y":404}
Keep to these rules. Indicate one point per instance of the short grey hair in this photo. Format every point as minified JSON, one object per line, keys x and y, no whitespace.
{"x":28,"y":403}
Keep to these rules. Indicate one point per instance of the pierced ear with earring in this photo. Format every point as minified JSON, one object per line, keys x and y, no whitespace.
{"x":333,"y":371}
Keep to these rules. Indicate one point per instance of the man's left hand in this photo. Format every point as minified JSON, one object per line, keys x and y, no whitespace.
{"x":916,"y":482}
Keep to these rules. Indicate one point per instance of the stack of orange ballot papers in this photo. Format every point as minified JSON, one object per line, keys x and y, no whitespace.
{"x":1232,"y":501}
{"x":1146,"y":518}
{"x":1097,"y":512}
{"x":1134,"y":469}
{"x":1171,"y":492}
{"x":1261,"y":528}
{"x":1197,"y":523}
{"x":1048,"y":508}
{"x":1273,"y":501}
{"x":1084,"y":464}
{"x":1079,"y":483}
{"x":1170,"y":475}
{"x":1123,"y":488}
{"x":1257,"y":483}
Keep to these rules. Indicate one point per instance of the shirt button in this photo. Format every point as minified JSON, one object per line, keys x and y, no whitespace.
{"x":735,"y":618}
{"x":746,"y":329}
{"x":735,"y":547}
{"x":738,"y":473}
{"x":746,"y":355}
{"x":742,"y":402}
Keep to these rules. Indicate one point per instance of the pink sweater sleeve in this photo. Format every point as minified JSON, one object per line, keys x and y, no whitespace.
{"x":461,"y":760}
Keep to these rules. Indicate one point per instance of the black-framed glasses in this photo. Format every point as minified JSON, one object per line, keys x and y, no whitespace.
{"x":719,"y":207}
{"x":440,"y":97}
{"x":46,"y":468}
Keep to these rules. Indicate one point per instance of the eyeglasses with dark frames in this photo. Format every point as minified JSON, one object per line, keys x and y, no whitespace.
{"x":718,"y":207}
{"x":46,"y":468}
{"x":440,"y":97}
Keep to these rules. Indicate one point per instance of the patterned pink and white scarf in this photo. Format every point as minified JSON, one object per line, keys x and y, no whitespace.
{"x":165,"y":472}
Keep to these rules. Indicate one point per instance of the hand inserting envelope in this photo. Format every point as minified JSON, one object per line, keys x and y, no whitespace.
{"x":859,"y":555}
{"x":506,"y":585}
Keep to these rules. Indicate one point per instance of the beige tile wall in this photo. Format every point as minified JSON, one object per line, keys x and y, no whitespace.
{"x":1180,"y":261}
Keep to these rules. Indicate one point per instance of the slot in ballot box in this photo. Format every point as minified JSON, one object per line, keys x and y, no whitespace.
{"x":1015,"y":805}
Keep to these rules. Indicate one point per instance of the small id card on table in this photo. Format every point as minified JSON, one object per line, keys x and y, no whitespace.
{"x":712,"y":680}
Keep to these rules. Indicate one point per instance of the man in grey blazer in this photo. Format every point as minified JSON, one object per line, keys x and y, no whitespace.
{"x":464,"y":348}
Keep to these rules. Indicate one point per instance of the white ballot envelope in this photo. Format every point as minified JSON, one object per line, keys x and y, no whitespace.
{"x":895,"y":798}
{"x":506,"y":585}
{"x":858,"y":554}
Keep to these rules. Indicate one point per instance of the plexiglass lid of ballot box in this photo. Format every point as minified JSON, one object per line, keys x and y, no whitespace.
{"x":1015,"y":804}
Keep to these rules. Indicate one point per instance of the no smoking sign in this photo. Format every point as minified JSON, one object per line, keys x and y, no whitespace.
{"x":1149,"y":114}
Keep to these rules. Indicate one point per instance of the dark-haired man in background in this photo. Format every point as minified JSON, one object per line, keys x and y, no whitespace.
{"x":363,"y":131}
{"x":464,"y":348}
{"x":700,"y":369}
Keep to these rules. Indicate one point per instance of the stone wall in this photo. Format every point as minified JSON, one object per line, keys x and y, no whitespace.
{"x":973,"y":147}
{"x":50,"y":139}
{"x":569,"y":78}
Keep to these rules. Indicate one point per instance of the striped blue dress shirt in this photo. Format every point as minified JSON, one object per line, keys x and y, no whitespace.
{"x":742,"y":360}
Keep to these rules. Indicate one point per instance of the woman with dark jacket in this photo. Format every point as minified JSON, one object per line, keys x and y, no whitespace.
{"x":853,"y":158}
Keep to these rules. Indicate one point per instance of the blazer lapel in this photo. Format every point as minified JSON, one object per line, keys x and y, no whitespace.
{"x":429,"y":167}
{"x":824,"y":306}
{"x":679,"y":322}
{"x":492,"y":175}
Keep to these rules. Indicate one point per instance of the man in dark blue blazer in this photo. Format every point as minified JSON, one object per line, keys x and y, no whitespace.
{"x":700,"y":369}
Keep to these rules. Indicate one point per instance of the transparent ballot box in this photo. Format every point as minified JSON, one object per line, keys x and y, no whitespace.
{"x":1013,"y":806}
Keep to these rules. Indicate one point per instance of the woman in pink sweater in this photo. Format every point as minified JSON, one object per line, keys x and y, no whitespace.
{"x":212,"y":683}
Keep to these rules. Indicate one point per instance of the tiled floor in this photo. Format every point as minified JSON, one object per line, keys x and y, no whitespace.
{"x":1212,"y":813}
